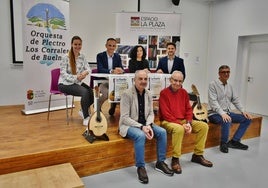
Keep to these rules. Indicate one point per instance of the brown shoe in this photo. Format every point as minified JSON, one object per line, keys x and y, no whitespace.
{"x":201,"y":160}
{"x":175,"y":165}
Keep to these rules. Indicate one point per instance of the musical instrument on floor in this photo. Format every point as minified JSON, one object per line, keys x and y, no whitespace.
{"x":97,"y":126}
{"x":199,"y":109}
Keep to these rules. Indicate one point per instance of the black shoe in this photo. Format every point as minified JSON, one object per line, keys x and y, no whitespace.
{"x":142,"y":174}
{"x":237,"y":145}
{"x":224,"y":147}
{"x":163,"y":167}
{"x":112,"y":109}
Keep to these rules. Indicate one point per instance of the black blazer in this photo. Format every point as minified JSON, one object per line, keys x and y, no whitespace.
{"x":177,"y":65}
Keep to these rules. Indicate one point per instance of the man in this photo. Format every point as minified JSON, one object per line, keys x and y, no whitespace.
{"x":220,"y":97}
{"x":170,"y":63}
{"x":110,"y":62}
{"x":176,"y":117}
{"x":137,"y":123}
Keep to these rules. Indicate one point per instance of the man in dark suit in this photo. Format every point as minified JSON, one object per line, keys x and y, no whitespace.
{"x":110,"y":62}
{"x":171,"y":62}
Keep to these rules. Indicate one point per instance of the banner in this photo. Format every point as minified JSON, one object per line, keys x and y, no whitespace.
{"x":151,"y":30}
{"x":46,"y":40}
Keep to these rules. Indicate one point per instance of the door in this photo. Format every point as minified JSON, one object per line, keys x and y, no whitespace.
{"x":257,"y":88}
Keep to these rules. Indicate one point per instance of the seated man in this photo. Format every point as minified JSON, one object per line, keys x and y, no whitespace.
{"x":176,"y":117}
{"x":110,"y":62}
{"x":137,"y":123}
{"x":220,"y":97}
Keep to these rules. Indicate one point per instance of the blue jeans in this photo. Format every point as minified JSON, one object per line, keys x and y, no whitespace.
{"x":139,"y":138}
{"x":225,"y":126}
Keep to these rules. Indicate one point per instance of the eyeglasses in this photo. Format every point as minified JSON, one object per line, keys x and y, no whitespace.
{"x":111,"y":45}
{"x":225,"y":72}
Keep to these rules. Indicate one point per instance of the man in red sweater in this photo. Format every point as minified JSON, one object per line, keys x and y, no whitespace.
{"x":176,"y":117}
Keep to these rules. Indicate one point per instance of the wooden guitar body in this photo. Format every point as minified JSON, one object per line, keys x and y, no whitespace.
{"x":98,"y":124}
{"x":199,"y":110}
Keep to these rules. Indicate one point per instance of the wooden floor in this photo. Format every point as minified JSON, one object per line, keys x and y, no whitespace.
{"x":31,"y":141}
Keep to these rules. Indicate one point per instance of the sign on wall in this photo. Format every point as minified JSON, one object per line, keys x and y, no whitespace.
{"x":45,"y":41}
{"x":151,"y":30}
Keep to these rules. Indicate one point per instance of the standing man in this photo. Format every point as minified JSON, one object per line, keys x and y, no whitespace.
{"x":110,"y":62}
{"x":220,"y":97}
{"x":137,"y":123}
{"x":176,"y":117}
{"x":171,"y":62}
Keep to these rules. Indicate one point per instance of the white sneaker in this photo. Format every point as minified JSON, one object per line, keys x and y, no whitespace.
{"x":85,"y":121}
{"x":81,"y":113}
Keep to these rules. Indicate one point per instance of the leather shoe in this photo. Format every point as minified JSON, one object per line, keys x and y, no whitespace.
{"x":175,"y":165}
{"x":237,"y":145}
{"x":142,"y":174}
{"x":161,"y":166}
{"x":201,"y":160}
{"x":224,"y":147}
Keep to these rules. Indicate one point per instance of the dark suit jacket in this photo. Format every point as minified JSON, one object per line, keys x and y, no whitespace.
{"x":102,"y":62}
{"x":177,"y":65}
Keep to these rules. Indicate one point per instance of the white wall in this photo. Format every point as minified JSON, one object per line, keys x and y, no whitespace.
{"x":94,"y":21}
{"x":229,"y":20}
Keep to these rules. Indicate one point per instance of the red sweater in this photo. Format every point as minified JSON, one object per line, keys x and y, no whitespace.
{"x":175,"y":106}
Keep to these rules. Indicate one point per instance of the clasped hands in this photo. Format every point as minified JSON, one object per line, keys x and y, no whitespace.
{"x":147,"y":129}
{"x":82,"y":75}
{"x":187,"y":127}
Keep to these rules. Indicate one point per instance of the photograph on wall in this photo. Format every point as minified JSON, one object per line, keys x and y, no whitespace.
{"x":163,"y":40}
{"x":142,"y":39}
{"x":177,"y":40}
{"x":153,"y":39}
{"x":124,"y":59}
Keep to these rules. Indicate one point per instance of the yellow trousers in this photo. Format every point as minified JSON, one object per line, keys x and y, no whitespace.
{"x":199,"y":128}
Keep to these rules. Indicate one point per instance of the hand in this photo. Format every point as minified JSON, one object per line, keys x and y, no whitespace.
{"x":147,"y":70}
{"x":187,"y":127}
{"x":247,"y":115}
{"x":226,"y":118}
{"x":148,"y":132}
{"x":118,"y":70}
{"x":159,"y":71}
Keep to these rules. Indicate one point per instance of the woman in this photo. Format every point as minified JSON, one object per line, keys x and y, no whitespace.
{"x":73,"y":69}
{"x":137,"y":60}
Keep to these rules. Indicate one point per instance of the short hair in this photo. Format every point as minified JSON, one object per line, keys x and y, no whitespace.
{"x":171,"y":43}
{"x":113,"y":39}
{"x":133,"y":52}
{"x":177,"y":72}
{"x":223,"y":67}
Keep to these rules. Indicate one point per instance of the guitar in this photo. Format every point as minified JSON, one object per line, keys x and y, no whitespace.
{"x":98,"y":122}
{"x":199,"y":110}
{"x":97,"y":125}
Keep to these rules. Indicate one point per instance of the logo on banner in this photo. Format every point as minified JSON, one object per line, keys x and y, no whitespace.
{"x":148,"y":22}
{"x":46,"y":46}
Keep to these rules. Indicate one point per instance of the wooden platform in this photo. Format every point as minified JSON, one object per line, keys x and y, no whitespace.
{"x":29,"y":142}
{"x":63,"y":176}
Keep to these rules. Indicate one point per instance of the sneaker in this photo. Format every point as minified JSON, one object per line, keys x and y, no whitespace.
{"x":224,"y":147}
{"x":80,"y":113}
{"x":237,"y":145}
{"x":161,"y":166}
{"x":142,"y":175}
{"x":85,"y":121}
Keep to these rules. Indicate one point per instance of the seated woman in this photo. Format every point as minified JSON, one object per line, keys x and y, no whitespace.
{"x":137,"y":60}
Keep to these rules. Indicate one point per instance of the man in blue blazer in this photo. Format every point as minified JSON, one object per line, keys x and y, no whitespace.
{"x":171,"y":62}
{"x":110,"y":62}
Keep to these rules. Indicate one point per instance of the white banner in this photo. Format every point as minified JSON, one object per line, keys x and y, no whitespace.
{"x":46,"y":39}
{"x":151,"y":30}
